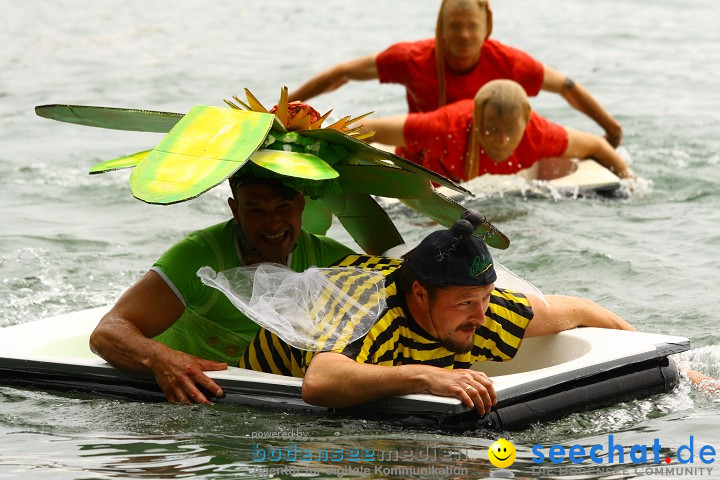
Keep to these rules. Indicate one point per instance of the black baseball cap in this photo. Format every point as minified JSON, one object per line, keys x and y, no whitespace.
{"x":453,"y":257}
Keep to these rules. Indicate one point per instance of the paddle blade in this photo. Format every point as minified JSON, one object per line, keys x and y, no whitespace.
{"x":363,"y":218}
{"x":109,"y":117}
{"x":294,"y":164}
{"x":446,"y":212}
{"x":207,"y":146}
{"x":128,"y":161}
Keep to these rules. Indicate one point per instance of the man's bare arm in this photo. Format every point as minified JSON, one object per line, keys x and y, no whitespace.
{"x":362,"y":68}
{"x":124,"y":339}
{"x":388,"y":130}
{"x":588,"y":145}
{"x":564,"y":313}
{"x":582,"y":100}
{"x":336,"y":381}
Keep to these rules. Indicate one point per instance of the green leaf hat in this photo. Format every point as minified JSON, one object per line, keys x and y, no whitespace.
{"x":338,"y":173}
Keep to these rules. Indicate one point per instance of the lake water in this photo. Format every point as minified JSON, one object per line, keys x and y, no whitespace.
{"x":69,"y":241}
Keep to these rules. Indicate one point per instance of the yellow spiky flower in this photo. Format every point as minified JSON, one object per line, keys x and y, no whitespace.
{"x":298,"y":116}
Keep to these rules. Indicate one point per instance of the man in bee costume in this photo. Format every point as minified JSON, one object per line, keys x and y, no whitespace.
{"x":443,"y":314}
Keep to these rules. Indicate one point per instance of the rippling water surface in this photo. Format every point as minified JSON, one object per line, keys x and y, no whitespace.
{"x":69,"y":241}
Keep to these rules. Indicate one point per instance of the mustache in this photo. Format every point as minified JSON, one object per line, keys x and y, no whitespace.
{"x":465,"y":326}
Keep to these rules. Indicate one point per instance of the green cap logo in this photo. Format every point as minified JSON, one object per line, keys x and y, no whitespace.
{"x":479,"y":266}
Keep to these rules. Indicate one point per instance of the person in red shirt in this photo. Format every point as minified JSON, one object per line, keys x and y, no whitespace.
{"x":455,"y":64}
{"x":495,"y":133}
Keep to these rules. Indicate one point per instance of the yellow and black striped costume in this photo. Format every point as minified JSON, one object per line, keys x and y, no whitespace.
{"x":396,"y":339}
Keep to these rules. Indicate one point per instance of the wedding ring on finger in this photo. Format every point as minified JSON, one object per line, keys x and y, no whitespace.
{"x":468,"y":388}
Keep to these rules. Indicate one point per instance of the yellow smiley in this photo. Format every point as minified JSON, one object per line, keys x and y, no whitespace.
{"x":502,"y":453}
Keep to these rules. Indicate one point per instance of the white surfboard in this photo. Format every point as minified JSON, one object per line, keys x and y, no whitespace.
{"x":551,"y":376}
{"x":582,"y":176}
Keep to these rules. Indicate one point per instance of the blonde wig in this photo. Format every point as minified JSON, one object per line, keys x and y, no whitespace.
{"x":505,"y":97}
{"x":440,"y":43}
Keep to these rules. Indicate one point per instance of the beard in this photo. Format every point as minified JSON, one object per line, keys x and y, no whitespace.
{"x":457,"y":346}
{"x":448,"y":342}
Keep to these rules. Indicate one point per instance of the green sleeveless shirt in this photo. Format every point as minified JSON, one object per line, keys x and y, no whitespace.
{"x":211,"y":327}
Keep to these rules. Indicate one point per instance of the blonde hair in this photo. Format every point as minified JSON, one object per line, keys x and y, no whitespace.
{"x":505,"y":97}
{"x":440,"y":44}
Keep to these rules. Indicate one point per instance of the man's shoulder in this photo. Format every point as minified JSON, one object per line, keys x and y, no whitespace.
{"x":543,"y":138}
{"x":539,"y":122}
{"x":219,"y":231}
{"x":211,"y":246}
{"x":214,"y":241}
{"x":460,"y":108}
{"x":511,"y":302}
{"x":500,"y":49}
{"x":451,"y":118}
{"x":413,"y":52}
{"x":414,"y":45}
{"x":538,"y":127}
{"x":444,"y":116}
{"x":500,"y":293}
{"x":318,"y":250}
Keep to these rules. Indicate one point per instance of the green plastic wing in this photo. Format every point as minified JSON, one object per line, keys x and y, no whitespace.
{"x":110,"y":117}
{"x":207,"y":146}
{"x":294,"y":164}
{"x":119,"y":163}
{"x":446,"y":211}
{"x":405,"y":186}
{"x":382,"y":180}
{"x":364,"y":153}
{"x":316,"y":217}
{"x":365,"y":221}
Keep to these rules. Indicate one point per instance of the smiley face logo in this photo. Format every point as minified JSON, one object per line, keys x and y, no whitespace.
{"x":502,"y":453}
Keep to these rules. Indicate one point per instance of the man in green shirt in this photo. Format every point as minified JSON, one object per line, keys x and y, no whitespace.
{"x":172,"y":325}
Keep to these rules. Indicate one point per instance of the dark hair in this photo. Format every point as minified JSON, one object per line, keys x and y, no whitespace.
{"x":239,"y":179}
{"x":407,"y":276}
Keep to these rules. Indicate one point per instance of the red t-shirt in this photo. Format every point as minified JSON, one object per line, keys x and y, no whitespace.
{"x":438,"y":140}
{"x":412,"y":64}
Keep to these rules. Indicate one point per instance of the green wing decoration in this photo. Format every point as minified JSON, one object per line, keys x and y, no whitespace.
{"x":316,"y":217}
{"x":446,"y":211}
{"x":119,"y":163}
{"x":365,"y":221}
{"x":207,"y":146}
{"x":332,"y":167}
{"x":294,"y":164}
{"x":385,"y":174}
{"x":109,"y":117}
{"x":365,"y":154}
{"x":383,"y":181}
